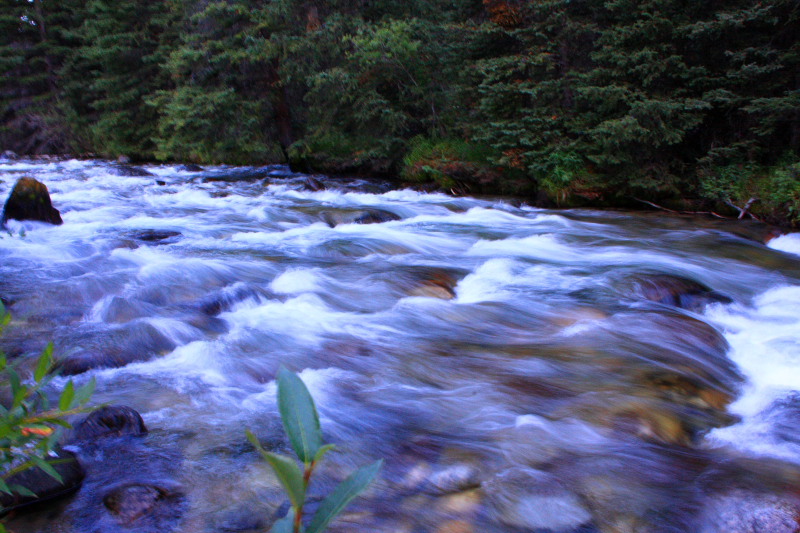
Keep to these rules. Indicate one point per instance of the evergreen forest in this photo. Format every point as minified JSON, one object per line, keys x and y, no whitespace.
{"x":690,"y":105}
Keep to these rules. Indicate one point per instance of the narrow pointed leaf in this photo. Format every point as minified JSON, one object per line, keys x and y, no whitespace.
{"x":83,"y":394}
{"x":45,"y":362}
{"x":46,"y":468}
{"x":286,"y":469}
{"x":22,"y":491}
{"x":67,"y":395}
{"x":299,"y":415}
{"x":322,"y":451}
{"x":285,"y":524}
{"x":5,"y":488}
{"x":343,"y":495}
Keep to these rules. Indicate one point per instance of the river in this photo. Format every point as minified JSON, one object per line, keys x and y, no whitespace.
{"x":519,"y":369}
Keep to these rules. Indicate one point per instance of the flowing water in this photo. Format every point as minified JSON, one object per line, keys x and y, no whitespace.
{"x":519,"y":369}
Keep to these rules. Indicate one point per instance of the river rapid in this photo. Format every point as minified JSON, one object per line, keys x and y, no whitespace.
{"x":519,"y":369}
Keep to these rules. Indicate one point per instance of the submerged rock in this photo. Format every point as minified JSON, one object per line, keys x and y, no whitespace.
{"x":312,"y":184}
{"x":44,"y":486}
{"x":30,"y":200}
{"x":129,"y":485}
{"x":743,"y":511}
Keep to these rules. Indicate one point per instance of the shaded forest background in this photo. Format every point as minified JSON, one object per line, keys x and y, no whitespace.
{"x":572,"y":102}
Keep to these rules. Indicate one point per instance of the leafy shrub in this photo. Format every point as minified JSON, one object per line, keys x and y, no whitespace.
{"x":301,"y":422}
{"x":29,"y":425}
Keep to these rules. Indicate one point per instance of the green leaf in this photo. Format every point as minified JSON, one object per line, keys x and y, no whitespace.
{"x":85,"y":393}
{"x":285,"y":524}
{"x":299,"y":415}
{"x":22,"y":491}
{"x":322,"y":451}
{"x":286,"y":469}
{"x":5,"y":488}
{"x":45,"y":362}
{"x":46,"y":468}
{"x":343,"y":495}
{"x":67,"y":395}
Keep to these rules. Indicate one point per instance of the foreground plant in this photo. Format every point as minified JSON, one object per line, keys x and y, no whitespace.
{"x":301,"y":422}
{"x":29,"y":424}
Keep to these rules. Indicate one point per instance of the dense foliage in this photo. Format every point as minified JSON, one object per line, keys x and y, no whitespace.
{"x":570,"y":100}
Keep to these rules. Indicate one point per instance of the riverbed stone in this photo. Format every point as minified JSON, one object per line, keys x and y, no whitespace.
{"x":745,"y":511}
{"x":30,"y":200}
{"x":363,"y":216}
{"x":44,"y":486}
{"x":191,"y":168}
{"x":129,"y":171}
{"x":110,"y":421}
{"x":672,"y":290}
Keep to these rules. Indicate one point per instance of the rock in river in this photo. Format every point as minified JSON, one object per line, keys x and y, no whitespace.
{"x":44,"y":486}
{"x":30,"y":200}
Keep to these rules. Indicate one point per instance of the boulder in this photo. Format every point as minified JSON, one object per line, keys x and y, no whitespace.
{"x":365,"y":216}
{"x":129,"y":171}
{"x":10,"y":154}
{"x":110,"y":421}
{"x":312,"y":184}
{"x":129,"y":485}
{"x":30,"y":200}
{"x":672,"y":290}
{"x":44,"y":486}
{"x":191,"y":168}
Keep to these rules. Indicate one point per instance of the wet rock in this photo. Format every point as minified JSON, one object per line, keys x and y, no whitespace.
{"x":535,"y":501}
{"x":312,"y":184}
{"x":30,"y":200}
{"x":44,"y":486}
{"x":456,"y":478}
{"x":120,"y":346}
{"x":743,"y":511}
{"x":154,"y":236}
{"x":434,"y":283}
{"x":129,"y":171}
{"x":191,"y":168}
{"x":671,"y":290}
{"x":366,"y":216}
{"x":131,"y":502}
{"x":10,"y":154}
{"x":129,"y":485}
{"x":124,"y":160}
{"x":110,"y":421}
{"x":161,"y":183}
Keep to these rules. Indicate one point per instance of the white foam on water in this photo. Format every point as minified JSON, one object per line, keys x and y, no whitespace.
{"x":296,"y":280}
{"x":305,"y":317}
{"x":765,"y":344}
{"x":789,"y":243}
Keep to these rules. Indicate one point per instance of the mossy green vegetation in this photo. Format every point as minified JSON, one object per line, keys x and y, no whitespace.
{"x":567,"y":102}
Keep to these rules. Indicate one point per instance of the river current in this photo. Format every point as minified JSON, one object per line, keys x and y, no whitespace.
{"x":519,"y":369}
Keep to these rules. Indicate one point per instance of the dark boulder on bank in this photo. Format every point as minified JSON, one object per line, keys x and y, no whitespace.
{"x":44,"y":486}
{"x":30,"y":200}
